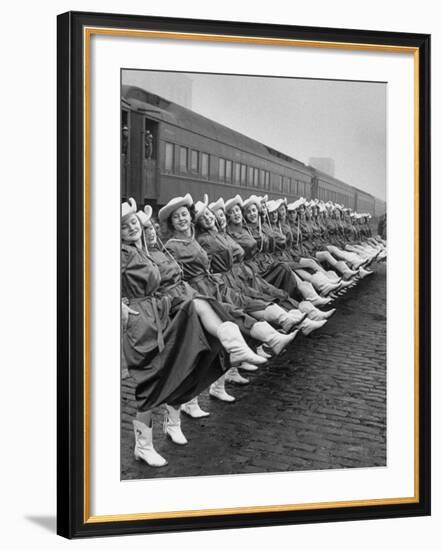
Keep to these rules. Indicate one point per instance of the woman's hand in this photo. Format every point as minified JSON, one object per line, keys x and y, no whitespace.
{"x":125,"y":312}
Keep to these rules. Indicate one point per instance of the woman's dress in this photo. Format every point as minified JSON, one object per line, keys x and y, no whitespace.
{"x":168,"y":352}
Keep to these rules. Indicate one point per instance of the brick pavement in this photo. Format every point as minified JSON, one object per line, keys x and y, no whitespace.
{"x":320,"y":405}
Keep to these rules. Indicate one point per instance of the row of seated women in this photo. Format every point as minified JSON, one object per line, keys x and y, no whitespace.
{"x":210,"y":290}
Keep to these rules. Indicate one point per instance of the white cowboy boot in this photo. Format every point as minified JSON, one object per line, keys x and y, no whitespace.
{"x":261,"y":352}
{"x":275,"y":340}
{"x":172,"y":425}
{"x":251,"y":368}
{"x":218,"y":390}
{"x":193,"y":409}
{"x":232,"y":375}
{"x":233,"y":342}
{"x":364,"y":273}
{"x":346,"y":284}
{"x":319,"y":301}
{"x":275,"y":314}
{"x":308,"y":326}
{"x":313,"y":312}
{"x":323,"y":283}
{"x":144,"y":449}
{"x":333,"y":276}
{"x":359,"y":263}
{"x":297,"y":314}
{"x":306,"y":307}
{"x":343,"y":268}
{"x":306,"y":289}
{"x":318,"y":315}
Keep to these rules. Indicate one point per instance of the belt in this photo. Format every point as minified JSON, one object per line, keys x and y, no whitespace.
{"x":208,"y":276}
{"x":173,"y":285}
{"x":198,"y":278}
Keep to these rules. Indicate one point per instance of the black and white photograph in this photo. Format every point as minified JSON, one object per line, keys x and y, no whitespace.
{"x":253,"y":274}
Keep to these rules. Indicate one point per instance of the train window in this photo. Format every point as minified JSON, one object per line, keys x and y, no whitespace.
{"x":262,"y":178}
{"x":228,"y":170}
{"x":250,"y":175}
{"x":286,"y":185}
{"x":243,"y":174}
{"x":236,"y":173}
{"x":194,"y":160}
{"x":168,"y":157}
{"x":222,"y":169}
{"x":267,"y":180}
{"x":205,"y":165}
{"x":183,"y":159}
{"x":256,"y":177}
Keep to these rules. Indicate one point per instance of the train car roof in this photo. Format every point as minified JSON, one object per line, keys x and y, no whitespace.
{"x":167,"y":111}
{"x":340,"y":182}
{"x":161,"y":109}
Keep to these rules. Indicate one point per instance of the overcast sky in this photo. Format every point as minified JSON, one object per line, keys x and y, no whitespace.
{"x":343,"y":120}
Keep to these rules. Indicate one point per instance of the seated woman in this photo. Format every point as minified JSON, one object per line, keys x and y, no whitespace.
{"x":171,"y":344}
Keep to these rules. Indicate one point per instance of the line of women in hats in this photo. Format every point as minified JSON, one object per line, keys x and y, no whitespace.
{"x":212,"y":289}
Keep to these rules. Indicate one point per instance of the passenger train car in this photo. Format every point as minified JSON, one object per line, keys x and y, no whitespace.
{"x":168,"y":150}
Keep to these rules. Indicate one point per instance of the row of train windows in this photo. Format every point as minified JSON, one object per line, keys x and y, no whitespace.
{"x":196,"y":162}
{"x":340,"y":198}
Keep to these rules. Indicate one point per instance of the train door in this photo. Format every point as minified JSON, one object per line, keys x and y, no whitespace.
{"x":125,"y":154}
{"x":149,"y":156}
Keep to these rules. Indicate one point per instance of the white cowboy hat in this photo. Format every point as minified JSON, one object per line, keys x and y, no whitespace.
{"x":129,"y":207}
{"x":214,"y":206}
{"x":253,"y":199}
{"x":301,"y":202}
{"x":200,"y":206}
{"x":172,"y":205}
{"x":144,"y":216}
{"x":232,"y":202}
{"x":272,"y":206}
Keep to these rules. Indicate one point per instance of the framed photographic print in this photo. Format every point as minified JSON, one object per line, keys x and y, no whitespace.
{"x":243,"y":274}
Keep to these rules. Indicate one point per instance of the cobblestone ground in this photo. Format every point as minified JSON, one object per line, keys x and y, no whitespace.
{"x":320,"y":405}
